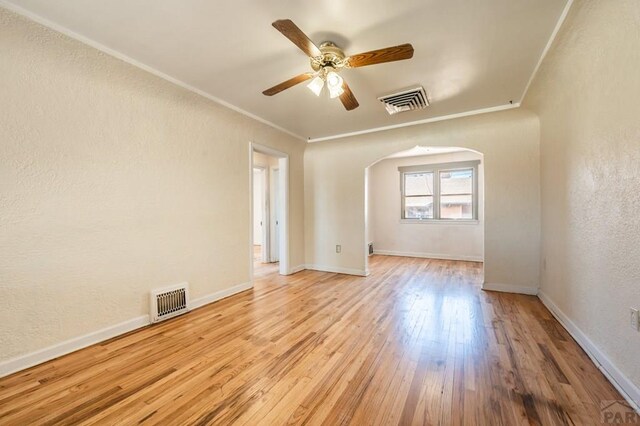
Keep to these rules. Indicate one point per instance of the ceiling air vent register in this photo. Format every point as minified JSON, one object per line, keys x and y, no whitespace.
{"x":407,"y":100}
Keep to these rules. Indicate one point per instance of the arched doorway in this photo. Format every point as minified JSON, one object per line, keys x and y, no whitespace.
{"x":426,"y":202}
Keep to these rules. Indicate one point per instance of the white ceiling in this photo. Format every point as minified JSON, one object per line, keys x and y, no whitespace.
{"x":469,"y":54}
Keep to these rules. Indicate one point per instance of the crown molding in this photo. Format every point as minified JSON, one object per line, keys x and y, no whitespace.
{"x":415,"y":123}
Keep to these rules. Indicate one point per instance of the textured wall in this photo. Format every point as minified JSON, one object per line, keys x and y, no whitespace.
{"x":446,"y":239}
{"x":114,"y":182}
{"x":587,"y":95}
{"x":335,"y":201}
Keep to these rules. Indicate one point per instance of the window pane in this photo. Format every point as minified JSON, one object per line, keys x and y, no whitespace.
{"x":456,"y":207}
{"x":418,"y":207}
{"x":418,"y":183}
{"x":456,"y":182}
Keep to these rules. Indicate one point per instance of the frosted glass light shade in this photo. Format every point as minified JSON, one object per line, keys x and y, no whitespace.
{"x":316,"y":85}
{"x":333,"y":79}
{"x":334,"y":83}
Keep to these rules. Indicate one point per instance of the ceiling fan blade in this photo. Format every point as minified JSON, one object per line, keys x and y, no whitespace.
{"x":348,"y":100}
{"x":287,"y":84}
{"x":295,"y":34}
{"x":388,"y":54}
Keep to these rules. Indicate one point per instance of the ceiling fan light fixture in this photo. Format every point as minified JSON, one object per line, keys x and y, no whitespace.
{"x":316,"y":85}
{"x":328,"y":59}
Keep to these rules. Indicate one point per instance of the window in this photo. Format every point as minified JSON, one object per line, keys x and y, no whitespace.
{"x":418,"y":195}
{"x":456,"y":194}
{"x":440,"y":191}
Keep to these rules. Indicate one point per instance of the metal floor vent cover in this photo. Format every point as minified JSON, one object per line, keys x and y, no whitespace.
{"x":407,"y":100}
{"x":170,"y":301}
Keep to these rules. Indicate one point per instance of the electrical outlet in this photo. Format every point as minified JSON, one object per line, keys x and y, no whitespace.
{"x":338,"y":248}
{"x":635,"y":321}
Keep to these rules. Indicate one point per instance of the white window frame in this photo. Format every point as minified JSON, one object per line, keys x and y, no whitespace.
{"x":436,"y":169}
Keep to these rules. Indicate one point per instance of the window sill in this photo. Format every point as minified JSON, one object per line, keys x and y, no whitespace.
{"x":440,"y":221}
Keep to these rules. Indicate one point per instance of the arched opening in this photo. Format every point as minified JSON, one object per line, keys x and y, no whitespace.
{"x":426,"y":202}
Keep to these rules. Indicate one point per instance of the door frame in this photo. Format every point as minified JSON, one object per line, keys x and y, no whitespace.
{"x":283,"y":165}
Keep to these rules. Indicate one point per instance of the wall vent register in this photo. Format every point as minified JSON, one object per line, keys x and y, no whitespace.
{"x":169,"y":302}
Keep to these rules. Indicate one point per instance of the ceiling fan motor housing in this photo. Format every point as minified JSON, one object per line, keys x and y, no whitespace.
{"x":332,"y":56}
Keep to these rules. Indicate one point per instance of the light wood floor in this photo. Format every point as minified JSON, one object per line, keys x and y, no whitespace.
{"x":261,"y":270}
{"x":416,"y":342}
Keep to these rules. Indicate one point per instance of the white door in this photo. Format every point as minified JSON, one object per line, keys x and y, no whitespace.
{"x":275,"y":215}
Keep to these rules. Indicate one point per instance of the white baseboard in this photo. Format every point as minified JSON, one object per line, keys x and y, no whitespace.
{"x":510,"y":288}
{"x":213,"y":297}
{"x":429,"y":255}
{"x":296,"y":269}
{"x":626,"y":387}
{"x":47,"y":354}
{"x":338,"y":270}
{"x":38,"y":357}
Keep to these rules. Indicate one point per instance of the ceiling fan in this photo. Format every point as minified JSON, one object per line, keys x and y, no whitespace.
{"x":328,"y":60}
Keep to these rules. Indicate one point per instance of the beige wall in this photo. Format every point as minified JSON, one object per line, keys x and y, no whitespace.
{"x":114,"y":182}
{"x":335,"y":187}
{"x":442,"y":240}
{"x":587,"y":95}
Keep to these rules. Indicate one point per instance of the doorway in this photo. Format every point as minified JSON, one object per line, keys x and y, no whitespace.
{"x":269,"y":207}
{"x":426,"y":202}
